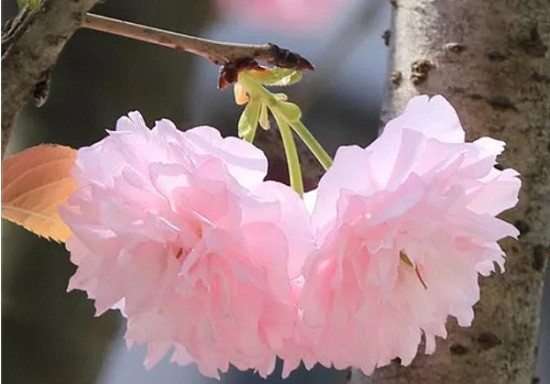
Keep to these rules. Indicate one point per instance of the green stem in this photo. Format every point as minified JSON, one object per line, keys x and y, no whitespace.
{"x":312,"y":143}
{"x":284,"y":125}
{"x":254,"y":87}
{"x":293,"y":162}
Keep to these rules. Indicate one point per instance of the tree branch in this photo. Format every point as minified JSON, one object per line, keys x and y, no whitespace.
{"x":30,"y":47}
{"x":219,"y":53}
{"x":32,"y":42}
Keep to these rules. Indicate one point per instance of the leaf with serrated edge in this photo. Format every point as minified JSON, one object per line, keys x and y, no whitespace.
{"x":35,"y":182}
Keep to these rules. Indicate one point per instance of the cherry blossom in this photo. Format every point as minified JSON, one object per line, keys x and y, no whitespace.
{"x":209,"y":262}
{"x":180,"y":232}
{"x":403,"y":228}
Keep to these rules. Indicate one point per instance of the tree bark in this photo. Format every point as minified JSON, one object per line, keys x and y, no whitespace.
{"x":31,"y":45}
{"x":491,"y":60}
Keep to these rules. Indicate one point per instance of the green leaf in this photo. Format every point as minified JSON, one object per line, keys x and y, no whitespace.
{"x":264,"y":117}
{"x":290,"y":110}
{"x":248,"y":122}
{"x":31,"y":4}
{"x":277,"y":76}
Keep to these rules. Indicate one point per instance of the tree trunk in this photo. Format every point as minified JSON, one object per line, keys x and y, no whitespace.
{"x":491,"y":60}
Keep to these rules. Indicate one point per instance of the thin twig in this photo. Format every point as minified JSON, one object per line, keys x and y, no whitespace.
{"x":219,"y":53}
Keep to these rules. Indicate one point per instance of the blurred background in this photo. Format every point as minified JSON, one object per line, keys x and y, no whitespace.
{"x":50,"y":336}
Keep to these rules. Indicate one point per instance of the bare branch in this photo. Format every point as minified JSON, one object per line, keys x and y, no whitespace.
{"x":217,"y":52}
{"x":32,"y":42}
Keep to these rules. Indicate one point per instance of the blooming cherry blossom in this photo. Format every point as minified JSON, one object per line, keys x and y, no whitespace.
{"x":403,"y":227}
{"x":179,"y":231}
{"x":206,"y":260}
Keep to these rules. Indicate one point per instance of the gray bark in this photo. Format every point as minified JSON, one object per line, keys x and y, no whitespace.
{"x":31,"y":45}
{"x":491,"y":60}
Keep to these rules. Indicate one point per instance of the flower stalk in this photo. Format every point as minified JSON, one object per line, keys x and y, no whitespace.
{"x":292,"y":159}
{"x":286,"y":114}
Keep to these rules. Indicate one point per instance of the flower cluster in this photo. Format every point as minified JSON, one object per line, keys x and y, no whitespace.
{"x":180,"y":231}
{"x":403,"y":228}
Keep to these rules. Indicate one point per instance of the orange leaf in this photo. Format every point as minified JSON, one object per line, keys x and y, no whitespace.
{"x":35,"y":182}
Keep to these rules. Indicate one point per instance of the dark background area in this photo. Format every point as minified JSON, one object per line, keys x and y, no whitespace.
{"x":50,"y":336}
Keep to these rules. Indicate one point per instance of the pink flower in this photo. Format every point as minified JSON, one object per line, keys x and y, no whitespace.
{"x":404,"y":226}
{"x":283,"y":14}
{"x":180,"y":232}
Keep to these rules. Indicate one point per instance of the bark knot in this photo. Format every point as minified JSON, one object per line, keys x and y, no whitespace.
{"x":386,"y":36}
{"x":454,"y":48}
{"x":419,"y":70}
{"x":487,"y":340}
{"x":500,"y":103}
{"x":533,"y":45}
{"x":396,"y":77}
{"x":458,"y":349}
